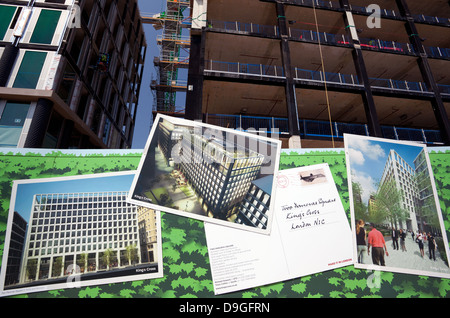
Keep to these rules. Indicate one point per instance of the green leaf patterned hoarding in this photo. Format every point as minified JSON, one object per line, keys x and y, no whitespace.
{"x":185,"y":256}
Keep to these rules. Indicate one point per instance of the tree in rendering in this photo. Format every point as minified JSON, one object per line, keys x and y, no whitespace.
{"x":131,"y":252}
{"x":32,"y":269}
{"x":388,"y":205}
{"x":359,"y":207}
{"x":107,"y":257}
{"x":57,"y":266}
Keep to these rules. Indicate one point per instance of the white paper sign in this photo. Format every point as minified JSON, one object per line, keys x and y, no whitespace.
{"x":310,"y":234}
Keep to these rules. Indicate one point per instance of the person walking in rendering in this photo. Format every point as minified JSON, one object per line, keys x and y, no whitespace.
{"x":376,"y":240}
{"x":402,"y":235}
{"x":419,"y":240}
{"x":361,"y":240}
{"x":394,"y":236}
{"x":431,"y":246}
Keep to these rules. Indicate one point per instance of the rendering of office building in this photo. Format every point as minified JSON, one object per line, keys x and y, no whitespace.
{"x":221,"y":174}
{"x":70,"y":73}
{"x":16,"y":246}
{"x":399,"y":176}
{"x":318,"y":69}
{"x":426,"y":204}
{"x":94,"y":231}
{"x":168,"y":136}
{"x":254,"y":207}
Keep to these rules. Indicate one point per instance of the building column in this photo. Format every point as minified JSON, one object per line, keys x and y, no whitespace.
{"x":76,"y":95}
{"x":7,"y":62}
{"x":360,"y":66}
{"x":291,"y":101}
{"x":66,"y":133}
{"x":50,"y":267}
{"x":194,"y":94}
{"x":39,"y":123}
{"x":427,"y":74}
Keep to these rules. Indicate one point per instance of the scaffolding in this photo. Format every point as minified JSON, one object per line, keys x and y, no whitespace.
{"x":174,"y":54}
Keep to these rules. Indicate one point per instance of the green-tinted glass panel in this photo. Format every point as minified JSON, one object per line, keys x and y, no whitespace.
{"x":45,"y":27}
{"x":30,"y":69}
{"x":6,"y":15}
{"x":11,"y":123}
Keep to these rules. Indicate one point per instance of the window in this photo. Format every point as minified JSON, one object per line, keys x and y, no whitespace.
{"x":6,"y":15}
{"x":30,"y":69}
{"x":11,"y":123}
{"x":45,"y":27}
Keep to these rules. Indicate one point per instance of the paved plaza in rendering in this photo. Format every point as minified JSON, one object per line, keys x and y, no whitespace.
{"x":411,"y":258}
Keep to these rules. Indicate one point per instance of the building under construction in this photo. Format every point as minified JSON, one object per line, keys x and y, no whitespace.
{"x":318,"y":69}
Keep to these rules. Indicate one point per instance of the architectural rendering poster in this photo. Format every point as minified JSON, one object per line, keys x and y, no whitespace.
{"x":310,"y":234}
{"x":208,"y":173}
{"x":78,"y":231}
{"x":396,"y":217}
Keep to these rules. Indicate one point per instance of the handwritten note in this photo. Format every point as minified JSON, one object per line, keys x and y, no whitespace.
{"x":310,"y":234}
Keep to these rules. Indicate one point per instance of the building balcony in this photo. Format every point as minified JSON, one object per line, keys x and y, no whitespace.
{"x":384,"y":13}
{"x":259,"y":71}
{"x":325,"y":38}
{"x":315,"y":129}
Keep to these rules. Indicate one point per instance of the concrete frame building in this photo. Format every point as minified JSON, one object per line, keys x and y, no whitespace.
{"x":317,"y":69}
{"x":70,"y":73}
{"x":63,"y":227}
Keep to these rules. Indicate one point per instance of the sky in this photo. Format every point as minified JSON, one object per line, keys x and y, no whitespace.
{"x":368,"y":158}
{"x":144,"y":116}
{"x":26,"y":191}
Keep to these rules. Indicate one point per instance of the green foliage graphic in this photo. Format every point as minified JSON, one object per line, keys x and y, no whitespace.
{"x":185,"y":256}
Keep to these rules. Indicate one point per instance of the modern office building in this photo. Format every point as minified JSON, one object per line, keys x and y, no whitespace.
{"x":426,"y":204}
{"x":399,"y":177}
{"x":168,"y":136}
{"x":95,"y":231}
{"x":219,"y":170}
{"x":70,"y":73}
{"x":318,"y":69}
{"x":221,"y":174}
{"x":15,"y":251}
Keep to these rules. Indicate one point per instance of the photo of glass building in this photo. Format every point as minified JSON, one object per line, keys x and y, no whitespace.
{"x":398,"y":175}
{"x":86,"y":233}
